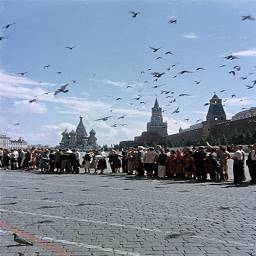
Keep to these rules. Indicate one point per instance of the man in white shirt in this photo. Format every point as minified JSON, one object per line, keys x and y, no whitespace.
{"x":238,"y":165}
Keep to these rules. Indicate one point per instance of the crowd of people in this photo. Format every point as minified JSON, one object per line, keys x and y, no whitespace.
{"x":197,"y":163}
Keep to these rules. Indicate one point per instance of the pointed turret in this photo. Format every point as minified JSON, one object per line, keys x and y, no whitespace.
{"x":156,"y":104}
{"x":80,"y":130}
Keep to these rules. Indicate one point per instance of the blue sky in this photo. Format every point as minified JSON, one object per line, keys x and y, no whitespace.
{"x":112,"y":50}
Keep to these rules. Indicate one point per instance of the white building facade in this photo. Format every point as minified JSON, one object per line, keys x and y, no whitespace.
{"x":8,"y":143}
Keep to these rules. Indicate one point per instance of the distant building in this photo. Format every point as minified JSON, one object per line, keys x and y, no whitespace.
{"x":241,"y":129}
{"x":156,"y":130}
{"x":79,"y":139}
{"x":8,"y":143}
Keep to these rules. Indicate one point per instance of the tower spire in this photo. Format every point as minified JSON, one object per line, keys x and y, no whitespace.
{"x":156,"y":104}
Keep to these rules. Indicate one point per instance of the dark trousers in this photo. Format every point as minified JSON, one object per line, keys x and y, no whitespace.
{"x":200,"y":173}
{"x":252,"y":171}
{"x":140,"y":169}
{"x":238,"y":171}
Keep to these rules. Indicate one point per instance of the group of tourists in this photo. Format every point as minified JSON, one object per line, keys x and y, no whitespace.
{"x":197,"y":163}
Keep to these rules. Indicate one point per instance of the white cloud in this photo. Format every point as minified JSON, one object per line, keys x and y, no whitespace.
{"x":246,"y":53}
{"x":25,"y":106}
{"x":238,"y":101}
{"x":60,"y":127}
{"x":190,"y":36}
{"x":120,"y":84}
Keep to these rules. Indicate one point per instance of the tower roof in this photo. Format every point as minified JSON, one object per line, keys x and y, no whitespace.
{"x":215,"y":97}
{"x":80,"y":128}
{"x":156,"y":104}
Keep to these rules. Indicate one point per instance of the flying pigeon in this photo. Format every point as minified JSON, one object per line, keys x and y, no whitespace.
{"x":46,"y":66}
{"x":247,"y":17}
{"x":61,"y":89}
{"x":22,"y":73}
{"x":21,"y":241}
{"x":70,"y":47}
{"x":249,"y":86}
{"x":184,"y":94}
{"x":172,"y":21}
{"x":200,"y":68}
{"x":134,"y":14}
{"x":238,"y":68}
{"x":33,"y":100}
{"x":154,"y":49}
{"x":176,"y":110}
{"x":9,"y":25}
{"x":197,"y":82}
{"x":231,"y":57}
{"x":232,"y":72}
{"x":169,"y":52}
{"x":103,"y":118}
{"x":184,"y":72}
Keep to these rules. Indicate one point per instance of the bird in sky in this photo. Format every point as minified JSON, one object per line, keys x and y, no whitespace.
{"x":238,"y":68}
{"x":172,"y":21}
{"x":9,"y":25}
{"x":46,"y":66}
{"x":184,"y":94}
{"x":159,"y":58}
{"x":248,"y":17}
{"x":16,"y":124}
{"x":73,"y":81}
{"x":254,"y":82}
{"x":154,"y":49}
{"x":198,"y":120}
{"x":231,"y":57}
{"x":136,"y":98}
{"x":134,"y":14}
{"x":22,"y":73}
{"x":200,"y":68}
{"x":222,"y":66}
{"x":206,"y":104}
{"x":222,"y":91}
{"x":157,"y":74}
{"x":172,"y":101}
{"x":70,"y":47}
{"x":103,"y":118}
{"x":233,"y":96}
{"x":59,"y":72}
{"x":33,"y":100}
{"x":184,"y":72}
{"x":177,"y":110}
{"x":197,"y":82}
{"x":63,"y":89}
{"x":142,"y":72}
{"x":187,"y":119}
{"x":21,"y":241}
{"x":243,"y":77}
{"x":113,"y":125}
{"x":121,"y":117}
{"x":118,"y":98}
{"x":169,"y":52}
{"x":142,"y":102}
{"x":157,"y":86}
{"x":232,"y":72}
{"x":128,"y":86}
{"x":249,"y":86}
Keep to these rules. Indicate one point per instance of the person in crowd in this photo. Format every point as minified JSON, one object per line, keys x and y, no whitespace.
{"x":124,"y":161}
{"x":44,"y":161}
{"x":238,"y":166}
{"x":199,"y":158}
{"x":171,"y":165}
{"x":132,"y":161}
{"x":114,"y":161}
{"x":189,"y":165}
{"x":101,"y":164}
{"x":86,"y":162}
{"x":223,"y":156}
{"x":140,"y":165}
{"x":74,"y":161}
{"x":150,"y":160}
{"x":213,"y":165}
{"x":161,"y":163}
{"x":51,"y":161}
{"x":251,"y":163}
{"x":58,"y":154}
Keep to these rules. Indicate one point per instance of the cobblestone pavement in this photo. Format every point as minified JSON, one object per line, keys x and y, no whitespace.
{"x":121,"y":215}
